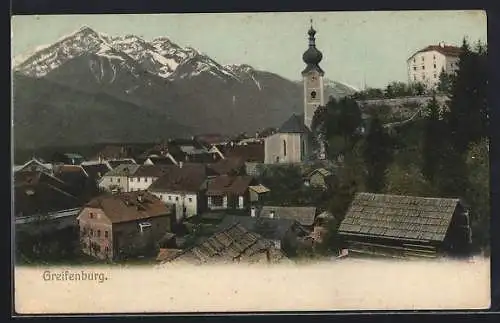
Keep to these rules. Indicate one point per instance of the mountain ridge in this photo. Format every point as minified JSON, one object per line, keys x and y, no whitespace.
{"x":165,"y":80}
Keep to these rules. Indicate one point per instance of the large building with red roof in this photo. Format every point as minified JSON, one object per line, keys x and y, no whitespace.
{"x":425,"y":65}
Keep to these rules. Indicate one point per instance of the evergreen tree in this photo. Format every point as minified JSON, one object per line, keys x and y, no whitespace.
{"x":468,"y":115}
{"x":432,"y":143}
{"x":377,"y":155}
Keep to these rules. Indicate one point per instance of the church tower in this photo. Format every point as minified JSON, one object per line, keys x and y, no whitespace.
{"x":313,"y":79}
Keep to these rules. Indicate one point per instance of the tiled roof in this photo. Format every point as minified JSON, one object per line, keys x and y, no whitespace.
{"x":322,"y":171}
{"x":234,"y":243}
{"x":294,"y":124}
{"x":96,"y":171}
{"x":130,"y":206}
{"x":254,"y":152}
{"x":225,"y":184}
{"x":302,"y":214}
{"x":190,"y":178}
{"x":399,"y":217}
{"x":445,"y":50}
{"x":227,"y":166}
{"x":259,"y":189}
{"x":123,"y":170}
{"x":40,"y":198}
{"x":272,"y":229}
{"x":154,"y":170}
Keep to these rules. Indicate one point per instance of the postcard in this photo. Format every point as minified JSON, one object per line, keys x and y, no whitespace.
{"x":250,"y":162}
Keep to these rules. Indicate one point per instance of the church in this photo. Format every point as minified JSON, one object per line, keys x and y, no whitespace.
{"x":294,"y":142}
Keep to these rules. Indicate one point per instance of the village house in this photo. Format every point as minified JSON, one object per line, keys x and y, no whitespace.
{"x":184,"y":188}
{"x":405,"y":226}
{"x":228,"y":192}
{"x":233,"y":244}
{"x":252,"y":154}
{"x":319,"y":178}
{"x":123,"y":225}
{"x":117,"y":179}
{"x":77,"y":180}
{"x":283,"y":234}
{"x":145,"y":175}
{"x":38,"y":193}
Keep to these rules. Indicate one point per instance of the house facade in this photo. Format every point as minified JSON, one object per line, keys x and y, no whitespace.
{"x":117,"y":179}
{"x":228,"y":192}
{"x":184,"y":188}
{"x":145,"y":175}
{"x":426,"y":65}
{"x":124,"y":224}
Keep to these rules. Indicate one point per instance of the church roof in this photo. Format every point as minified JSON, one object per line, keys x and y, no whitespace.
{"x":294,"y":124}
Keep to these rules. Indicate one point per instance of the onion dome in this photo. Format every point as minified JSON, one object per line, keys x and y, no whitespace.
{"x":312,"y":56}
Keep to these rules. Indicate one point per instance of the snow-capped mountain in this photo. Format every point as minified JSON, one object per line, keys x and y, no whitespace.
{"x":168,"y":82}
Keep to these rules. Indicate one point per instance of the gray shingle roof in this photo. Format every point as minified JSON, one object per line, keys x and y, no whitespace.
{"x":294,"y":124}
{"x":272,"y":229}
{"x":302,"y":214}
{"x":399,"y":217}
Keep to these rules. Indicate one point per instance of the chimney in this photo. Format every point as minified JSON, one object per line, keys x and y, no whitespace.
{"x":181,"y":164}
{"x":253,"y":212}
{"x":441,"y":44}
{"x":271,"y":214}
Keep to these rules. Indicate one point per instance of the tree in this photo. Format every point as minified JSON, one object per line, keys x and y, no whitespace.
{"x":396,"y":89}
{"x":468,"y":110}
{"x":377,"y":155}
{"x":432,"y":143}
{"x":338,"y":124}
{"x":478,"y":192}
{"x":445,"y":82}
{"x":407,"y":180}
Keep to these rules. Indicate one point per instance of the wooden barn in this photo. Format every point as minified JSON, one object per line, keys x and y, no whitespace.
{"x":405,"y":226}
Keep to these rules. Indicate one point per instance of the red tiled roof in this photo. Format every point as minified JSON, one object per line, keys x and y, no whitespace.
{"x":228,"y":165}
{"x":130,"y":206}
{"x":228,"y":184}
{"x":445,"y":50}
{"x":249,"y":152}
{"x":189,"y":178}
{"x":154,"y":170}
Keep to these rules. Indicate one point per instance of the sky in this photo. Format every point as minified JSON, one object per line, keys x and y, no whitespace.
{"x":359,"y":48}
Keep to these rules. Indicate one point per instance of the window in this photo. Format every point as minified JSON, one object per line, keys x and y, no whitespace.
{"x":98,"y":233}
{"x":423,"y":67}
{"x":284,"y":147}
{"x":190,"y":199}
{"x":144,"y":226}
{"x":91,"y":215}
{"x":435,"y":66}
{"x":435,"y":75}
{"x":106,"y":234}
{"x":145,"y":179}
{"x":118,"y":180}
{"x":170,"y":198}
{"x":434,"y":56}
{"x":413,"y":59}
{"x":111,"y":179}
{"x":176,"y":198}
{"x":414,"y":68}
{"x":217,"y":200}
{"x":91,"y":232}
